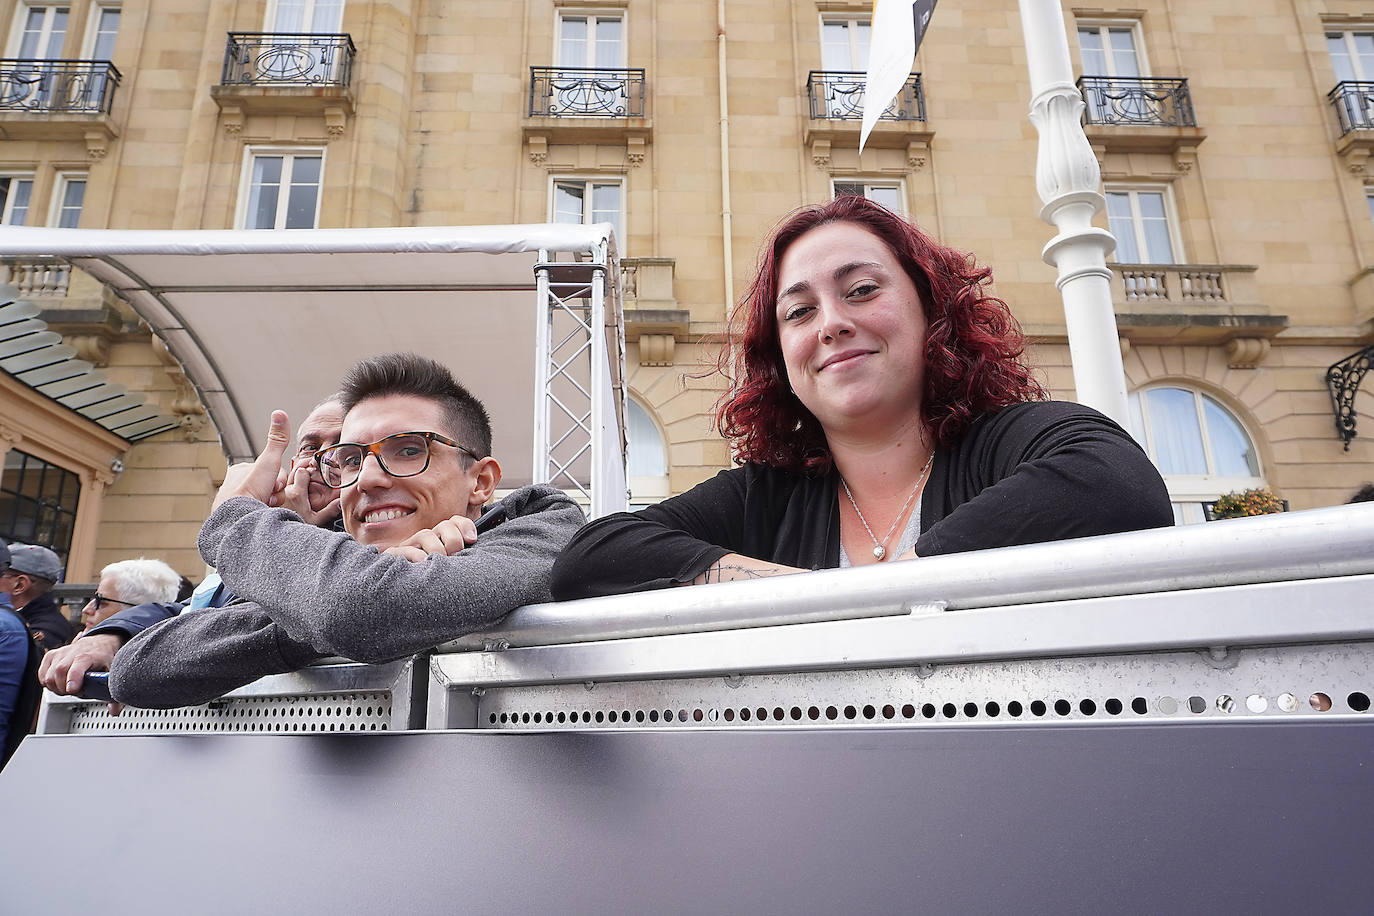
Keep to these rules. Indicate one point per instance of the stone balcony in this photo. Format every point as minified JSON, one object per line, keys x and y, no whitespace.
{"x":1192,"y":303}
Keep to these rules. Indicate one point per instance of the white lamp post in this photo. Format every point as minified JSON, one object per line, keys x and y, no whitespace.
{"x":1068,"y":178}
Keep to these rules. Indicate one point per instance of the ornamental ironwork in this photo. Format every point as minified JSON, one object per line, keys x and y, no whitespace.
{"x":288,"y":59}
{"x":58,"y":86}
{"x":1137,"y":101}
{"x":1343,"y":378}
{"x":566,"y":92}
{"x":839,"y":95}
{"x":1353,"y":102}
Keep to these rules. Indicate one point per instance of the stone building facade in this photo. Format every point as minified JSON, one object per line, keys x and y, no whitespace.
{"x":1233,"y":140}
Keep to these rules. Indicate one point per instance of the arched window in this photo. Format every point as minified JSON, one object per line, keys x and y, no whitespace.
{"x":1199,"y":446}
{"x":646,"y":457}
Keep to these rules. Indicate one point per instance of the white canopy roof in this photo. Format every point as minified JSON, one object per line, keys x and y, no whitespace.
{"x":262,"y":320}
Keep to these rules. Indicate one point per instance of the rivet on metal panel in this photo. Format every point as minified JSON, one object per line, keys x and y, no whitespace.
{"x":1221,"y":658}
{"x":590,"y":685}
{"x":479,"y":691}
{"x":924,"y":670}
{"x":734,"y":680}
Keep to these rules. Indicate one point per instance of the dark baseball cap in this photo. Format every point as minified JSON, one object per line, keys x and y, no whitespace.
{"x":32,"y":560}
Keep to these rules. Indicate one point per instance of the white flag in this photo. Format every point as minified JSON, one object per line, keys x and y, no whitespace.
{"x":898,"y":26}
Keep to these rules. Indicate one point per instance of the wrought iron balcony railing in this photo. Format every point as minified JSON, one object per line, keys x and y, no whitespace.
{"x":1137,"y":101}
{"x":564,"y":92}
{"x":58,"y":86}
{"x":287,"y":59}
{"x":839,"y":95}
{"x":1353,"y":101}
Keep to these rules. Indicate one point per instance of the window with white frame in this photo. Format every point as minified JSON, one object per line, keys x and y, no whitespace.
{"x":281,"y":189}
{"x":101,"y":32}
{"x":1352,"y":54}
{"x":1143,"y":223}
{"x":67,"y":199}
{"x":16,"y":193}
{"x":300,"y":16}
{"x":1111,"y":49}
{"x":844,"y":43}
{"x":887,"y":193}
{"x":1369,"y":199}
{"x":590,"y":200}
{"x":646,"y":458}
{"x":39,"y":31}
{"x":1201,"y":448}
{"x":591,"y":40}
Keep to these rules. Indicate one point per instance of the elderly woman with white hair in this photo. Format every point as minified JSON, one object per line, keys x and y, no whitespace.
{"x":130,"y":583}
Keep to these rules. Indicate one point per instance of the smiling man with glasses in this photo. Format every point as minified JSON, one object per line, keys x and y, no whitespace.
{"x":414,"y":473}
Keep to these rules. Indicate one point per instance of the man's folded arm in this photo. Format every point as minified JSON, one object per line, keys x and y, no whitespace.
{"x":194,"y":658}
{"x":347,"y":599}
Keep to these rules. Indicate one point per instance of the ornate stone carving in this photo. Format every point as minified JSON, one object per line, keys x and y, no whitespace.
{"x":93,"y":348}
{"x":1125,"y":344}
{"x":1246,"y":352}
{"x":656,"y":349}
{"x":820,"y":153}
{"x":10,"y":435}
{"x":97,"y":145}
{"x":539,"y":149}
{"x":232,"y":118}
{"x":185,"y":403}
{"x":334,"y":120}
{"x":634,"y":151}
{"x":916,"y":155}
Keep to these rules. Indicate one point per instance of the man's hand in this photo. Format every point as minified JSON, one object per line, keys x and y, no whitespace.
{"x":258,"y":479}
{"x":295,"y":495}
{"x":63,"y":669}
{"x":443,"y":540}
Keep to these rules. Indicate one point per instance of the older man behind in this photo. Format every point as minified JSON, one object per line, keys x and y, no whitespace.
{"x":411,"y":571}
{"x":32,"y":572}
{"x":299,"y":488}
{"x":130,"y":583}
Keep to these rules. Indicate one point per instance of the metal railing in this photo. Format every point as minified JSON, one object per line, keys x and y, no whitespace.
{"x":839,"y":95}
{"x":564,"y":92}
{"x":1137,"y":101}
{"x":1353,"y":101}
{"x":58,"y":86}
{"x":288,"y":59}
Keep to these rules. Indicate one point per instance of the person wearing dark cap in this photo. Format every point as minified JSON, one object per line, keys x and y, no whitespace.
{"x":31,"y":575}
{"x":14,"y":657}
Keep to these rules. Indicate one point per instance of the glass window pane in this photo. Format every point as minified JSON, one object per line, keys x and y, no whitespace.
{"x":73,"y":195}
{"x":1159,"y":249}
{"x":1124,"y":62}
{"x":1232,"y":452}
{"x":1364,"y":55}
{"x":856,"y":189}
{"x":605,"y":203}
{"x":300,"y":206}
{"x":644,"y":455}
{"x":107,"y":27}
{"x":609,"y":43}
{"x":1090,"y":45}
{"x":290,"y":16}
{"x":327,"y":17}
{"x":1122,"y":226}
{"x":1175,"y":431}
{"x":23,"y":191}
{"x":305,"y":169}
{"x":835,"y":46}
{"x":888,"y":196}
{"x":572,"y":49}
{"x":1340,"y":56}
{"x":567,"y":203}
{"x":862,"y":35}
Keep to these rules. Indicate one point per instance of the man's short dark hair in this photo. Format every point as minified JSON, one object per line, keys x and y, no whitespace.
{"x":409,"y":373}
{"x":1364,"y":494}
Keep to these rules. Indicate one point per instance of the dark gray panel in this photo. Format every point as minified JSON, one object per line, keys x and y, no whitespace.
{"x":1240,"y":817}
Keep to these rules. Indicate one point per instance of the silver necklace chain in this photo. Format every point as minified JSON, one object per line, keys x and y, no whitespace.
{"x":879,"y":548}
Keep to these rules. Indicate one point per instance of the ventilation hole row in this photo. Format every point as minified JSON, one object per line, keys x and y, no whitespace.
{"x":205,"y":726}
{"x":1113,"y":706}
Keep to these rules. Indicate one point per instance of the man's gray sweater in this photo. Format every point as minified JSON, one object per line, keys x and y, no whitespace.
{"x":310,"y":593}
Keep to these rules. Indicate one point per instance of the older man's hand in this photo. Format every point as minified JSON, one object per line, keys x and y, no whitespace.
{"x":258,"y":478}
{"x":443,"y":540}
{"x":295,"y":495}
{"x":64,"y":668}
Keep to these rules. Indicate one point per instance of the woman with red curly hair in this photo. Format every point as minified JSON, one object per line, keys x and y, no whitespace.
{"x":881,"y":410}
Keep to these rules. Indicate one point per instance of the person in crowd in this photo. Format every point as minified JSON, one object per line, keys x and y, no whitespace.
{"x":299,"y":488}
{"x":15,"y":646}
{"x":130,"y":583}
{"x":882,"y":410}
{"x":411,"y":569}
{"x":32,"y":573}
